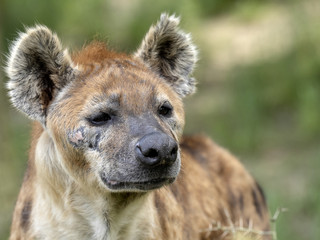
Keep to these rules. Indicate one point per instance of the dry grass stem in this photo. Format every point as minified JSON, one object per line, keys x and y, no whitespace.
{"x":239,"y":232}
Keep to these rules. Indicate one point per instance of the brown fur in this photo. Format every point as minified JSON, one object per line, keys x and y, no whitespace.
{"x":65,"y":193}
{"x":210,"y":186}
{"x":21,"y":217}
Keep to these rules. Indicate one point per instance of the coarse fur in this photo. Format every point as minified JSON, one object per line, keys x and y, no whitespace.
{"x":107,"y":157}
{"x":37,"y":54}
{"x":169,"y":52}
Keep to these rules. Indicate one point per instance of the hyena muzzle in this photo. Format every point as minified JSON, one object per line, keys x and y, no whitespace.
{"x":107,"y":158}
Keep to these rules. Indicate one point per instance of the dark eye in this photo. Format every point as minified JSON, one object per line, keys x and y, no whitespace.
{"x":99,"y":119}
{"x":165,"y":109}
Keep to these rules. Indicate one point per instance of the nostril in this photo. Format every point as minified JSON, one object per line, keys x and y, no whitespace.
{"x":148,"y":156}
{"x":174,"y":151}
{"x":151,"y":153}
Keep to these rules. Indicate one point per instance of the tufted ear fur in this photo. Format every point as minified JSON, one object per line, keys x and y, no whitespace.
{"x":37,"y":68}
{"x":170,"y":53}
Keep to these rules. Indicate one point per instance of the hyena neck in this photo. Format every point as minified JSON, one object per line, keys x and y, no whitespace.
{"x":62,"y":205}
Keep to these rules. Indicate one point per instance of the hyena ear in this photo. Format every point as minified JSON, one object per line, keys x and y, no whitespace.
{"x":37,"y":68}
{"x":170,"y":53}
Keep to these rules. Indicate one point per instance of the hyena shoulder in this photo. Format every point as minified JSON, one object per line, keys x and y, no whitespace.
{"x":210,"y":176}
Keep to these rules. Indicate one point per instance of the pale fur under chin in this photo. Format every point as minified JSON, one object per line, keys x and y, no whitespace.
{"x":62,"y":209}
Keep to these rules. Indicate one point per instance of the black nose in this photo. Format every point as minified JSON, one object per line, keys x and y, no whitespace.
{"x":156,"y":148}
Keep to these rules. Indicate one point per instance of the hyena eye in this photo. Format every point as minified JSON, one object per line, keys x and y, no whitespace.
{"x":165,"y":109}
{"x":99,"y":119}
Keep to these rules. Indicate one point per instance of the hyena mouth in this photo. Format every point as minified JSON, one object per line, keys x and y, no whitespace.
{"x":139,"y":186}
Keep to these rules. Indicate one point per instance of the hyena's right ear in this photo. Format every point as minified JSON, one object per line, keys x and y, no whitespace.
{"x":37,"y":68}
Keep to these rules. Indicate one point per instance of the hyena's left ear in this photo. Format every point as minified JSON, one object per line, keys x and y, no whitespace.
{"x":37,"y":68}
{"x":170,"y":53}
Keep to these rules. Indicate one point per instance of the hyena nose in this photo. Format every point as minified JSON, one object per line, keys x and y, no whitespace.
{"x":156,"y":148}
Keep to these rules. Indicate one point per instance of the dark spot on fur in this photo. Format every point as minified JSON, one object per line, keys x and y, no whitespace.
{"x":261,"y":194}
{"x":241,"y":203}
{"x":142,"y":81}
{"x":195,"y":149}
{"x":222,"y":215}
{"x":196,"y":154}
{"x":221,"y":169}
{"x":25,"y":215}
{"x":132,"y":64}
{"x":107,"y":221}
{"x":130,"y":74}
{"x":120,"y":66}
{"x":122,"y":199}
{"x":180,"y":192}
{"x":231,"y":198}
{"x":94,"y":143}
{"x":159,"y":204}
{"x":256,"y":202}
{"x":247,"y":221}
{"x":232,"y":201}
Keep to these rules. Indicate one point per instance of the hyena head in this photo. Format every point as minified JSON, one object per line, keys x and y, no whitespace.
{"x":114,"y":120}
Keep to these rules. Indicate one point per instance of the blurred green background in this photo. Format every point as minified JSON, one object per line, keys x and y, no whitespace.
{"x":258,"y":92}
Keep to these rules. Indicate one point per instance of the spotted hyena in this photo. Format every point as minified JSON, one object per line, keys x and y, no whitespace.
{"x":107,"y":158}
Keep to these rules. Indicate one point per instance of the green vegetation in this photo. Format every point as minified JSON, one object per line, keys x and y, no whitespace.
{"x":263,"y":107}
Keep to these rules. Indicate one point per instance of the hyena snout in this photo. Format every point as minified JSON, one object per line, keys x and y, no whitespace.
{"x":156,"y":148}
